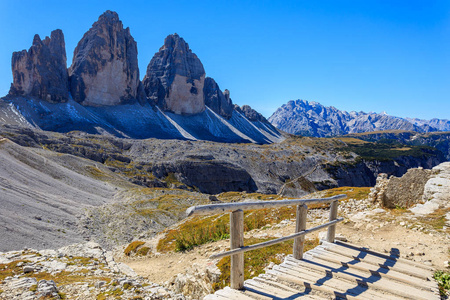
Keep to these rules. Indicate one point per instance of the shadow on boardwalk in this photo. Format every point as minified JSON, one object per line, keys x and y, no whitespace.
{"x":340,"y":271}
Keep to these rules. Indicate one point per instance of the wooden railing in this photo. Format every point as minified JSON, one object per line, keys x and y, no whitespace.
{"x":237,"y":247}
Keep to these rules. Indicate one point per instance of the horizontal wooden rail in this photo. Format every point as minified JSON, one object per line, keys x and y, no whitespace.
{"x":237,"y":247}
{"x":212,"y":209}
{"x":275,"y":241}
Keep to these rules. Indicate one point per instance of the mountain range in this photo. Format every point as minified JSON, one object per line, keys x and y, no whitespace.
{"x":306,"y":118}
{"x":101,"y":92}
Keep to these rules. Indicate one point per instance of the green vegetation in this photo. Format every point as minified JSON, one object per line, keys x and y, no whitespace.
{"x":197,"y":231}
{"x":114,"y":293}
{"x":435,"y":219}
{"x":64,"y":277}
{"x":358,"y":193}
{"x":256,"y":260}
{"x":386,"y":152}
{"x":143,"y":251}
{"x":133,"y":247}
{"x":443,"y":280}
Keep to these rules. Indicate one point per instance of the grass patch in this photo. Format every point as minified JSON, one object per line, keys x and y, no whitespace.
{"x":436,"y":219}
{"x":357,"y":193}
{"x":143,"y":251}
{"x":114,"y":293}
{"x":443,"y":280}
{"x":201,"y":230}
{"x":195,"y":233}
{"x":387,"y":152}
{"x":256,"y":260}
{"x":132,"y":247}
{"x":11,"y":269}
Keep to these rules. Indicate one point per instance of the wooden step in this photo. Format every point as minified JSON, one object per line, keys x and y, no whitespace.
{"x":374,"y":282}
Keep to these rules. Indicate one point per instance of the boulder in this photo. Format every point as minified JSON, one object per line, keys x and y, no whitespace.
{"x":217,"y":101}
{"x":105,"y":69}
{"x":407,"y":190}
{"x":175,"y":78}
{"x":41,"y":71}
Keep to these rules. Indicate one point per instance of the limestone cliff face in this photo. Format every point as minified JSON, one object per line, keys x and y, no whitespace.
{"x":105,"y":66}
{"x":42,"y":70}
{"x":175,"y":78}
{"x":217,"y":101}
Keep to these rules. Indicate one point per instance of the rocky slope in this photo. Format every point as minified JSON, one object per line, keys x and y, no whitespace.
{"x":313,"y":119}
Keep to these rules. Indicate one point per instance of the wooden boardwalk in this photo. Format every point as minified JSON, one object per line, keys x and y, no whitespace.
{"x":340,"y":271}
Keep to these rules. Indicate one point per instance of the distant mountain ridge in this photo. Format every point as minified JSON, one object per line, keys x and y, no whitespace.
{"x":306,"y":118}
{"x":101,"y":91}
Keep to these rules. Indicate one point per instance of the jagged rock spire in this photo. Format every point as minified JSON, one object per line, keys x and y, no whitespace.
{"x":105,"y":69}
{"x":175,"y":78}
{"x":42,"y":70}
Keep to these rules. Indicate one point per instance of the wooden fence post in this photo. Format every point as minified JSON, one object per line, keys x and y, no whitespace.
{"x":237,"y":241}
{"x":333,"y":215}
{"x":300,"y":225}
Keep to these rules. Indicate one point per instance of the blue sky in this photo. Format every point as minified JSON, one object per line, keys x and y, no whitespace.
{"x":365,"y":55}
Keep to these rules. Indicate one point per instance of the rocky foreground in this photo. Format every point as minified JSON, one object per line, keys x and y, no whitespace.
{"x":83,"y":271}
{"x":86,"y":271}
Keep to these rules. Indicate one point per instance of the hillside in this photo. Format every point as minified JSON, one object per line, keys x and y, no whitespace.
{"x":114,"y":190}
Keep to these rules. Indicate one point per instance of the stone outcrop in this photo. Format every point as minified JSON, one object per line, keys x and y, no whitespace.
{"x":42,"y":70}
{"x":175,"y":78}
{"x":217,"y":101}
{"x":105,"y":66}
{"x":402,"y":191}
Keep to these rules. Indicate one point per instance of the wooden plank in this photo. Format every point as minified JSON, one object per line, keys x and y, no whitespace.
{"x":346,"y":286}
{"x":300,"y":225}
{"x":254,"y":294}
{"x":233,"y":294}
{"x":237,"y":241}
{"x":305,"y":294}
{"x":267,"y":289}
{"x":399,"y":259}
{"x":332,"y":289}
{"x":212,"y":297}
{"x":378,"y":261}
{"x":331,"y":233}
{"x":383,"y":284}
{"x":274,"y":241}
{"x":212,"y":209}
{"x":371,"y":269}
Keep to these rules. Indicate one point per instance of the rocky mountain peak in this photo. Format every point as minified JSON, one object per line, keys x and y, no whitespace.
{"x":105,"y":66}
{"x":41,"y":71}
{"x":250,"y":113}
{"x":109,"y":16}
{"x":175,"y":78}
{"x":313,"y":119}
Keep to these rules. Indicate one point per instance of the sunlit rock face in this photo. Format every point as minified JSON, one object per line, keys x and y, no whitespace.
{"x":105,"y":66}
{"x":41,"y":71}
{"x":175,"y":78}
